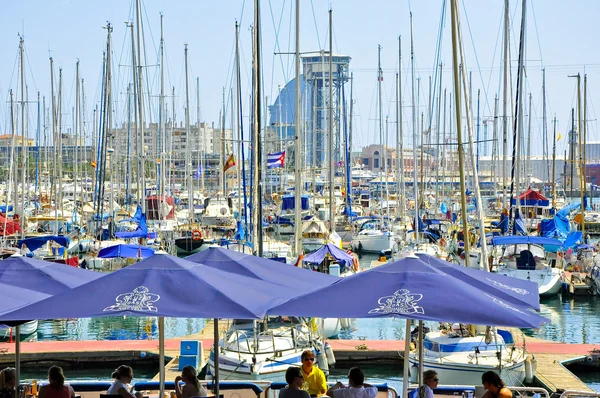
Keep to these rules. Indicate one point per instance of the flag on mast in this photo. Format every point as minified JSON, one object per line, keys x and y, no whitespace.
{"x":275,"y":160}
{"x":229,"y":163}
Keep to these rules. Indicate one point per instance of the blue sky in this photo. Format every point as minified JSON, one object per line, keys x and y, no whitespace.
{"x":562,"y":36}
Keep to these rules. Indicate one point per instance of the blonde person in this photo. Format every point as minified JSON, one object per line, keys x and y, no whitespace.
{"x":120,"y":386}
{"x":192,"y":386}
{"x":314,"y":378}
{"x":8,"y":383}
{"x":57,"y":387}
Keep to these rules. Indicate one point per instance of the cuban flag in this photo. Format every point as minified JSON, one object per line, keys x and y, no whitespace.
{"x":275,"y":160}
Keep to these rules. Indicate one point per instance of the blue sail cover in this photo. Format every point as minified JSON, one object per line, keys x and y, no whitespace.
{"x":161,"y":285}
{"x":289,"y":202}
{"x":39,"y":241}
{"x":137,"y":217}
{"x":524,"y":240}
{"x":338,"y":254}
{"x":410,"y":288}
{"x":126,"y":251}
{"x":140,"y":232}
{"x":559,"y":226}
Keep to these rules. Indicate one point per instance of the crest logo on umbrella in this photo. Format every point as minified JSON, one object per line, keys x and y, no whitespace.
{"x":514,"y":289}
{"x":401,"y":302}
{"x":138,"y":300}
{"x":501,"y":303}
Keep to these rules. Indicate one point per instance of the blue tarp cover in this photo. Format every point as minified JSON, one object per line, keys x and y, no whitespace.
{"x":341,"y":256}
{"x":518,"y":240}
{"x":289,"y":203}
{"x":39,"y":241}
{"x":140,"y":232}
{"x":126,"y":251}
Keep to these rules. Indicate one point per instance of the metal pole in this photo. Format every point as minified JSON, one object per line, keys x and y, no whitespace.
{"x":298,"y":147}
{"x":330,"y":128}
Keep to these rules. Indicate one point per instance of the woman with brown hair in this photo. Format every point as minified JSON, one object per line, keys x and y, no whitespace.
{"x":57,"y":387}
{"x":192,"y":386}
{"x":120,"y":386}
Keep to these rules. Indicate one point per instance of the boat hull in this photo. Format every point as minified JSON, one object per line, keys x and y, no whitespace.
{"x":374,"y":243}
{"x":25,"y":329}
{"x":467,"y":374}
{"x":549,"y":280}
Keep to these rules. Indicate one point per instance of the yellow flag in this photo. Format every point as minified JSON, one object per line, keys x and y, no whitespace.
{"x":559,"y":136}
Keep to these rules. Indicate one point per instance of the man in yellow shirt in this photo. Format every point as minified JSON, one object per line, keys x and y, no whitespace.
{"x":314,"y":378}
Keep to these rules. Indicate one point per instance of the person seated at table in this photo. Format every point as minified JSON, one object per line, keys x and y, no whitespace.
{"x":8,"y":383}
{"x":430,"y":382}
{"x":120,"y":386}
{"x":57,"y":387}
{"x":314,"y":378}
{"x":295,"y":380}
{"x":495,"y":386}
{"x":192,"y":386}
{"x":357,"y":388}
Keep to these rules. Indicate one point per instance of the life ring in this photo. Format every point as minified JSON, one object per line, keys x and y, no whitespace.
{"x":196,"y":235}
{"x":443,"y":242}
{"x":355,"y":264}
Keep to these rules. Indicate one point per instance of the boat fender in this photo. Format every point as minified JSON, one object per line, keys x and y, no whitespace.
{"x":355,"y":264}
{"x":322,"y":361}
{"x":528,"y":371}
{"x":330,"y":355}
{"x":345,"y":323}
{"x":196,"y":235}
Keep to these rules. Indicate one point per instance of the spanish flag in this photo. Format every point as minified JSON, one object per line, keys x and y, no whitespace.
{"x":229,"y":163}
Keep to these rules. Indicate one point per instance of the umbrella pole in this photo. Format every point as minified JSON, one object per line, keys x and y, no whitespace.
{"x":406,"y":362}
{"x":420,"y":353}
{"x":18,"y":356}
{"x":216,"y":357}
{"x":161,"y":354}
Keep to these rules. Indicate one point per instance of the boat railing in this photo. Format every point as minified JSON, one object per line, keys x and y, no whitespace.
{"x":238,"y":333}
{"x":575,"y":393}
{"x":529,"y":391}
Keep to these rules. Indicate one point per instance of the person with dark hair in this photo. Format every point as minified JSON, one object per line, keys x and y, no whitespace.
{"x":192,"y":386}
{"x":495,"y":386}
{"x":120,"y":386}
{"x":357,"y":388}
{"x":295,"y":380}
{"x":8,"y":383}
{"x":314,"y":378}
{"x":57,"y":387}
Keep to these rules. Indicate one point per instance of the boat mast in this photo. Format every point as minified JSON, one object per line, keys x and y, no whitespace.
{"x":298,"y":147}
{"x":330,"y":117}
{"x":202,"y":137}
{"x":437,"y":145}
{"x":142,"y":153}
{"x":505,"y":103}
{"x":257,"y":149}
{"x":444,"y":143}
{"x":584,"y":166}
{"x":23,"y":139}
{"x":400,"y":133}
{"x":77,"y":132}
{"x":495,"y":147}
{"x":162,"y":164}
{"x":414,"y":132}
{"x":54,"y":185}
{"x":188,"y":147}
{"x":545,"y":124}
{"x":480,"y":214}
{"x":237,"y":113}
{"x":382,"y":155}
{"x":457,"y":109}
{"x":554,"y":164}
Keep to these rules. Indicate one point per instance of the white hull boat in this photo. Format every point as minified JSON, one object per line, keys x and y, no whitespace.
{"x":25,"y":330}
{"x":462,"y":360}
{"x":374,"y":241}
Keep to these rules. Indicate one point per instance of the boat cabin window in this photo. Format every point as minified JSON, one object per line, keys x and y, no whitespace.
{"x":515,"y":250}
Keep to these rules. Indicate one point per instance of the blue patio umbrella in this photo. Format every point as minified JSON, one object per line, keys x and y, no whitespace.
{"x":299,"y":279}
{"x":318,"y":256}
{"x":126,"y":251}
{"x":161,"y":285}
{"x":513,"y":290}
{"x":24,"y":281}
{"x":410,"y":288}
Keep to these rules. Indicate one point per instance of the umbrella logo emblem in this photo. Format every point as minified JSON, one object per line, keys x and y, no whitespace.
{"x":138,"y":300}
{"x":514,"y":289}
{"x":401,"y":302}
